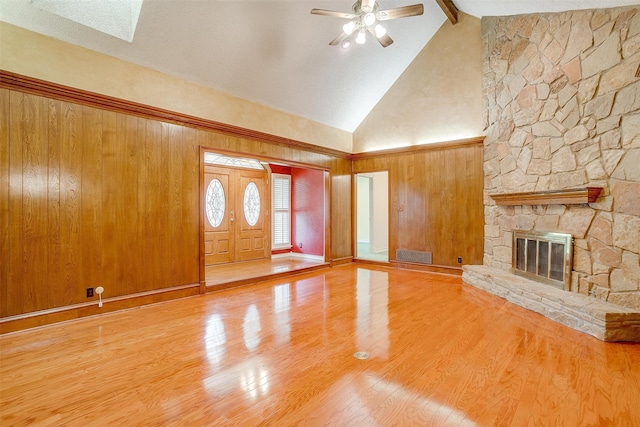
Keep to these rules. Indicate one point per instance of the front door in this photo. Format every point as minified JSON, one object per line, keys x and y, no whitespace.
{"x":236,"y":221}
{"x":218,"y":226}
{"x":252,"y":240}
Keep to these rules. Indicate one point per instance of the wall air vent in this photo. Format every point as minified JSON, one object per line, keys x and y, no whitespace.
{"x":419,"y":257}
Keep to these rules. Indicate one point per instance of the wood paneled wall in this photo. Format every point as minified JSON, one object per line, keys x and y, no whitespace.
{"x":435,"y":199}
{"x":96,"y":198}
{"x":101,"y":192}
{"x":99,"y":197}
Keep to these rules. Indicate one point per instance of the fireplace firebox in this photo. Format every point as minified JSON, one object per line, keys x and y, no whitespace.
{"x":543,"y":256}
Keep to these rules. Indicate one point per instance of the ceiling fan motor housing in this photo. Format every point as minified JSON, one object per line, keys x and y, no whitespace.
{"x":358,"y":8}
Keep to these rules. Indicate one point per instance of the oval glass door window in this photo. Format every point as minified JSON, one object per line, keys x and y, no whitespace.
{"x":214,"y":202}
{"x":251,"y":204}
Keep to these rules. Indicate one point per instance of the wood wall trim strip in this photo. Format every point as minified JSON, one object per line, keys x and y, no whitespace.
{"x":460,"y":143}
{"x":4,"y":198}
{"x":431,"y":268}
{"x":370,"y":262}
{"x":341,"y":261}
{"x":39,"y":87}
{"x":574,"y":196}
{"x":77,"y":311}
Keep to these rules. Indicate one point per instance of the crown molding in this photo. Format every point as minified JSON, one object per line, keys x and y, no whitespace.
{"x":26,"y":84}
{"x":412,"y":149}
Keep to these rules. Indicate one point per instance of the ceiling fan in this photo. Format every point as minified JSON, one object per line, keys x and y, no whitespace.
{"x":366,"y":18}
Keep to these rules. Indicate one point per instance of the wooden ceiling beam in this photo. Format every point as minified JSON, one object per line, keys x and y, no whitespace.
{"x":449,"y":9}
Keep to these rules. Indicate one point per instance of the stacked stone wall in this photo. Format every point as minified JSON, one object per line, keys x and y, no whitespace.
{"x":561,"y":103}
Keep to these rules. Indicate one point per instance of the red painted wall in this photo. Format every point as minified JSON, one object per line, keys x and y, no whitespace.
{"x":307,"y":206}
{"x":283,"y":170}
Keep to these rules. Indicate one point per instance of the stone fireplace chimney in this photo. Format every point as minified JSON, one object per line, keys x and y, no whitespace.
{"x":561,"y":105}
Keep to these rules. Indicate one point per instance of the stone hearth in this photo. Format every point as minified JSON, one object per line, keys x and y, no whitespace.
{"x":601,"y":319}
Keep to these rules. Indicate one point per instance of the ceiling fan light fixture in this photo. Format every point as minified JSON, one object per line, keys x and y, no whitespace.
{"x":345,"y":44}
{"x":349,"y":27}
{"x":368,"y":19}
{"x":365,"y":18}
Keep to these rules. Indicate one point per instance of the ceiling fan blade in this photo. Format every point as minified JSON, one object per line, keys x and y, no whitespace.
{"x":333,"y":13}
{"x":400,"y":12}
{"x":385,"y":40}
{"x":338,"y":40}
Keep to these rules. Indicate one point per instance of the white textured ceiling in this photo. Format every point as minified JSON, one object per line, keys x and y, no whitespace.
{"x":273,"y":52}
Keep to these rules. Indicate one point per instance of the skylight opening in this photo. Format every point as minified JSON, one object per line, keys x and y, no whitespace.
{"x":118,"y":18}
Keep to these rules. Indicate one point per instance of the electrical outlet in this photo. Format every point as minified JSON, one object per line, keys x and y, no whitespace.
{"x":89,"y":292}
{"x":459,"y":260}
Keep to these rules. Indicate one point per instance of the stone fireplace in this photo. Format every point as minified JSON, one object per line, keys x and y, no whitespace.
{"x":561,"y":102}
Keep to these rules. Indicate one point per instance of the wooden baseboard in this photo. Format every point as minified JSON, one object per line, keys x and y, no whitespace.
{"x":77,"y":311}
{"x":340,"y":261}
{"x":371,"y":262}
{"x":280,"y":252}
{"x":443,"y":269}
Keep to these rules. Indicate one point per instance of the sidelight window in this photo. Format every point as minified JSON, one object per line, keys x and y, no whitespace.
{"x":281,"y":197}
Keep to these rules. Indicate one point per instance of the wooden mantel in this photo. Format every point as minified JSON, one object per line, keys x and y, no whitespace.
{"x":573,"y":196}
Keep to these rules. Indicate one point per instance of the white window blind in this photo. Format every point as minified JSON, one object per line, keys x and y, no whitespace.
{"x":281,"y":230}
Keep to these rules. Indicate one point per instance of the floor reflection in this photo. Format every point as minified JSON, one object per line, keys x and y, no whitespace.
{"x":251,"y":377}
{"x":214,"y":339}
{"x":372,"y":312}
{"x":281,"y":306}
{"x":251,"y":328}
{"x":436,"y":412}
{"x":254,"y":381}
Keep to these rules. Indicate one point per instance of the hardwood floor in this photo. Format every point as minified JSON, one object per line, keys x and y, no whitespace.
{"x":240,"y":273}
{"x":281,"y":353}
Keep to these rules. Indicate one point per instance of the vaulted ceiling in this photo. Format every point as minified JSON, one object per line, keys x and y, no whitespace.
{"x":274,"y":52}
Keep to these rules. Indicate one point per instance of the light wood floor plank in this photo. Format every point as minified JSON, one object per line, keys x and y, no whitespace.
{"x":240,"y":272}
{"x":281,"y":352}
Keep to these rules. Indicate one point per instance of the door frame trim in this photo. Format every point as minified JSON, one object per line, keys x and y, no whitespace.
{"x":354,"y":215}
{"x":201,"y":204}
